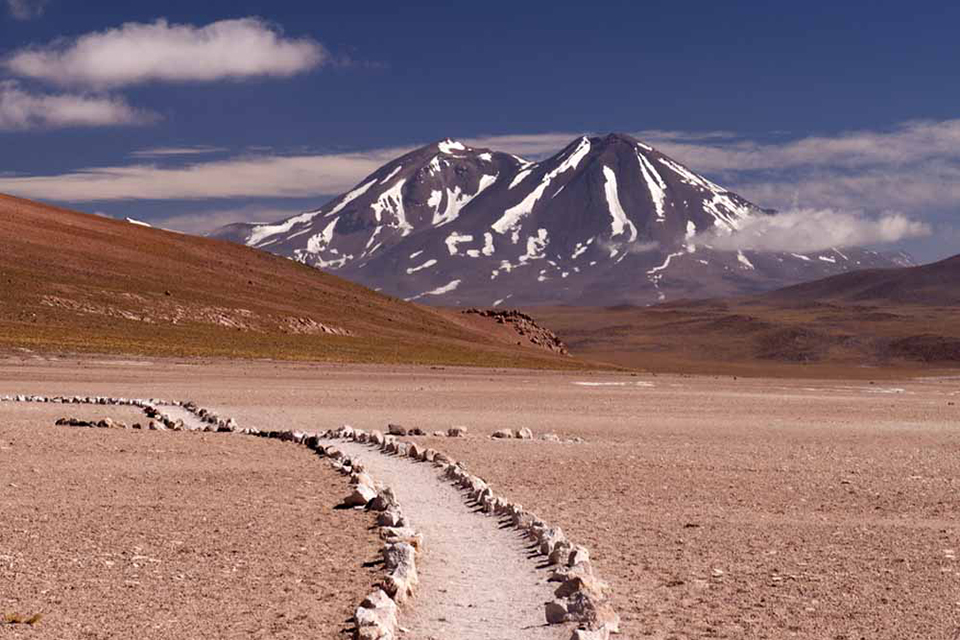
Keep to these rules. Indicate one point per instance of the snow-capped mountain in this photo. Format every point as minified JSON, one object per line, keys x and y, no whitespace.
{"x":608,"y":220}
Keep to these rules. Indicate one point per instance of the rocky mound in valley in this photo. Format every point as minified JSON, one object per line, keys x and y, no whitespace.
{"x":608,"y":220}
{"x":525,"y":327}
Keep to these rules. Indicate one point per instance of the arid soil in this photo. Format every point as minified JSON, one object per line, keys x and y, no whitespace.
{"x":75,"y":282}
{"x":716,"y":507}
{"x":893,"y":323}
{"x":765,"y":337}
{"x":134,"y":534}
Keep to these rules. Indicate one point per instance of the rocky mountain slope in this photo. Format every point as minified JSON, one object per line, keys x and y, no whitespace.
{"x":73,"y":282}
{"x":607,"y":220}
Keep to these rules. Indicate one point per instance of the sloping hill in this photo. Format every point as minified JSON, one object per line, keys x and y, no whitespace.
{"x":77,"y":282}
{"x":864,"y":324}
{"x":936,"y":284}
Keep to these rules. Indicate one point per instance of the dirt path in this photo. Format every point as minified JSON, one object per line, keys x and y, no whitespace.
{"x":477,"y":581}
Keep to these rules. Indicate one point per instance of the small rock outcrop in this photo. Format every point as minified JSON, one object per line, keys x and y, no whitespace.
{"x":526,"y":327}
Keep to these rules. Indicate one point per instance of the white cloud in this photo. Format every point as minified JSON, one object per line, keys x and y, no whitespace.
{"x":254,"y":176}
{"x":27,"y":9}
{"x":167,"y":152}
{"x":907,"y":143}
{"x":807,"y":230}
{"x":913,"y":168}
{"x":141,"y":52}
{"x":635,"y":247}
{"x":21,"y":110}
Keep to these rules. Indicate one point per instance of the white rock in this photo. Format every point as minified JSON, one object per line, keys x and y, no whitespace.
{"x":361,"y":479}
{"x":360,"y":496}
{"x":603,"y":633}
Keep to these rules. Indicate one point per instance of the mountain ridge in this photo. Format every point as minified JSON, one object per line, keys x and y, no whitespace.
{"x":607,"y":219}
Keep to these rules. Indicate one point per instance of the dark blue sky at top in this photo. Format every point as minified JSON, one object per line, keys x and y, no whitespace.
{"x":415,"y":72}
{"x":421,"y":71}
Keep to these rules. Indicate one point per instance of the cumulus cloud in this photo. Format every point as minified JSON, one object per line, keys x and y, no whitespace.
{"x":254,"y":176}
{"x":807,"y":230}
{"x":27,"y":9}
{"x":22,"y":110}
{"x":135,"y":53}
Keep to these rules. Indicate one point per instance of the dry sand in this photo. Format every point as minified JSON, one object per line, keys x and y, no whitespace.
{"x":717,"y":508}
{"x":132,"y":534}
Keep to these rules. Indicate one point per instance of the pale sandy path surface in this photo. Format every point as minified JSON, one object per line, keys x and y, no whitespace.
{"x":831,"y":508}
{"x":148,"y":535}
{"x":478,"y":581}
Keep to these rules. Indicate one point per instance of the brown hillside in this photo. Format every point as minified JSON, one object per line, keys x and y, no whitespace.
{"x":73,"y":282}
{"x":935,"y":284}
{"x":863,"y":324}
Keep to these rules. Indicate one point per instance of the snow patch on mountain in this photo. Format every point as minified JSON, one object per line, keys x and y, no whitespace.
{"x":259,"y":234}
{"x":448,"y":146}
{"x":391,"y":201}
{"x":621,"y":222}
{"x":520,"y":177}
{"x":454,"y":239}
{"x":396,"y":170}
{"x":456,"y":201}
{"x":655,"y":184}
{"x":439,"y":291}
{"x":425,"y":265}
{"x":350,"y":197}
{"x":319,"y":242}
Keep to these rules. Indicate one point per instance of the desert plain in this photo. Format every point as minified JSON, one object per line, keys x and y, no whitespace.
{"x":715,"y":507}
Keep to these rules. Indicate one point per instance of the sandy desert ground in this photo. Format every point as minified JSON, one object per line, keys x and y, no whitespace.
{"x":715,"y":507}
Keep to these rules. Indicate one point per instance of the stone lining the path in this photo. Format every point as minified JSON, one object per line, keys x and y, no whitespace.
{"x":580,"y":597}
{"x":376,"y":617}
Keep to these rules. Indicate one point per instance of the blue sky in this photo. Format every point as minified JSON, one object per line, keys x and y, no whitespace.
{"x":817,"y":105}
